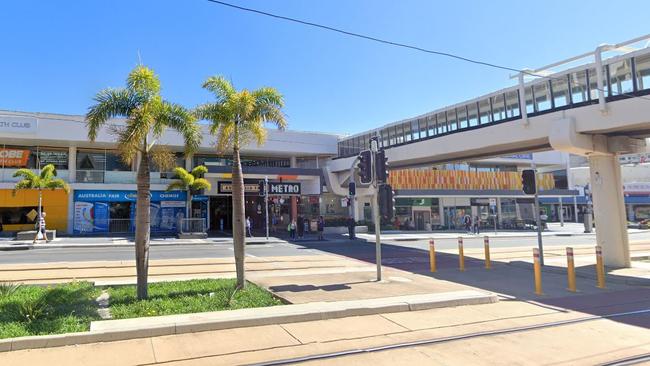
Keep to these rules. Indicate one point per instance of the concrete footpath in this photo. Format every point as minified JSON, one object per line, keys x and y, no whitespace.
{"x":503,"y":333}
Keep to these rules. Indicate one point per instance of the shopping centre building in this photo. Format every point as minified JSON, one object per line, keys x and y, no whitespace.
{"x":429,"y":197}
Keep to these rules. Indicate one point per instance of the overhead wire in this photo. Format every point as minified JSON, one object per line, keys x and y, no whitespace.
{"x":407,"y":46}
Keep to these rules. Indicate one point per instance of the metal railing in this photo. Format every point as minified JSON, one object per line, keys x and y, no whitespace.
{"x":192,"y":225}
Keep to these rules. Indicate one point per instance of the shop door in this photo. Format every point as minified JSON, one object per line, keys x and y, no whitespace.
{"x":422,"y":219}
{"x":221,"y":213}
{"x":119,"y":217}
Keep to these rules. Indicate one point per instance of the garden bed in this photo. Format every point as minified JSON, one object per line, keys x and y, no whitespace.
{"x":66,"y":308}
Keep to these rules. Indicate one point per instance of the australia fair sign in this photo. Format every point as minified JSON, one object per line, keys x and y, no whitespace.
{"x":17,"y":125}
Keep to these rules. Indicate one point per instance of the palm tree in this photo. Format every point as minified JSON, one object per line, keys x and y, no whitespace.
{"x":147,"y":116}
{"x":191,"y":182}
{"x":236,"y":117}
{"x":46,"y":179}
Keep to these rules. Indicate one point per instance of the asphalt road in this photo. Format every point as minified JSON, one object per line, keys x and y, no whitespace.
{"x":359,"y":249}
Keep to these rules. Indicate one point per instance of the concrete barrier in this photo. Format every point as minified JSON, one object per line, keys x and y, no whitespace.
{"x":29,"y":235}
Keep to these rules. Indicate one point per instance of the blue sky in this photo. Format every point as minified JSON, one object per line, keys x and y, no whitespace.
{"x":57,"y":54}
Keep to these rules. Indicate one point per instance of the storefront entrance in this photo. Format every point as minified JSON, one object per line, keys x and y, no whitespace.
{"x":422,"y":219}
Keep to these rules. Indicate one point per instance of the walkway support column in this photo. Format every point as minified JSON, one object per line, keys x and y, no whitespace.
{"x":293,"y":163}
{"x":609,"y":209}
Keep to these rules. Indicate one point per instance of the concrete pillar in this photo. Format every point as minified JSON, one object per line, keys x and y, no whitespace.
{"x":609,"y":209}
{"x":72,"y":164}
{"x":499,"y":216}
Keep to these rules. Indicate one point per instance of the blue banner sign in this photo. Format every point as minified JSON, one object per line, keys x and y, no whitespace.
{"x":126,"y":196}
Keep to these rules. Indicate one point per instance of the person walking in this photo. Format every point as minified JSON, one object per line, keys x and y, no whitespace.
{"x":249,"y":226}
{"x":301,"y":226}
{"x":467,"y":220}
{"x":477,"y":225}
{"x":40,"y":229}
{"x":321,"y":227}
{"x":351,"y":225}
{"x":292,"y":229}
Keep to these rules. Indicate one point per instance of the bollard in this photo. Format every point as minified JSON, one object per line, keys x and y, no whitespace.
{"x":600,"y":268}
{"x":486,"y":245}
{"x":461,"y":254}
{"x":538,"y":272}
{"x":570,"y":270}
{"x":432,"y":255}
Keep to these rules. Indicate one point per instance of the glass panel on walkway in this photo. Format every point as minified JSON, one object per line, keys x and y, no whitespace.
{"x":498,"y":108}
{"x":415,"y":130}
{"x":422,"y":122}
{"x":620,"y":77}
{"x":642,"y":64}
{"x":472,"y":114}
{"x":485,"y":112}
{"x":578,"y":82}
{"x":384,"y":138}
{"x":442,"y":122}
{"x":399,"y":134}
{"x":407,"y":131}
{"x":462,"y":117}
{"x":560,"y":87}
{"x":451,"y":120}
{"x":512,"y":104}
{"x":593,"y":83}
{"x":431,"y":125}
{"x":530,"y":107}
{"x":542,"y":96}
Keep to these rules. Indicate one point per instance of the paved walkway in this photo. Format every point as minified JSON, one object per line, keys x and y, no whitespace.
{"x":581,"y":343}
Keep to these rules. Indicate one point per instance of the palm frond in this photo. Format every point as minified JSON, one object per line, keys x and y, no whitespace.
{"x":144,"y":82}
{"x":26,"y":174}
{"x":176,"y":185}
{"x":221,"y":87}
{"x":25,"y":184}
{"x":163,"y":158}
{"x":199,"y":171}
{"x":110,"y":103}
{"x":57,"y":183}
{"x":182,"y":120}
{"x":201,"y":183}
{"x":48,"y":172}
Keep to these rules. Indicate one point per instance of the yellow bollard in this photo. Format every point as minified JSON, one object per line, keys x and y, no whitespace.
{"x":538,"y":272}
{"x":570,"y":270}
{"x":461,"y":254}
{"x":432,"y":255}
{"x":600,"y":267}
{"x":486,"y":245}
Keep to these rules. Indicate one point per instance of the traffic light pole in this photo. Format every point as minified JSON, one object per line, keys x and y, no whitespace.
{"x":539,"y":219}
{"x":375,"y":209}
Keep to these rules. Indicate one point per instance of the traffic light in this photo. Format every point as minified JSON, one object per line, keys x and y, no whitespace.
{"x":262,"y":188}
{"x":365,"y":167}
{"x":352,"y":187}
{"x":381,"y":166}
{"x":386,"y":201}
{"x":528,"y":181}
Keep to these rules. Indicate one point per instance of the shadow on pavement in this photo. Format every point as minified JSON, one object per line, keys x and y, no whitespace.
{"x":513,"y":279}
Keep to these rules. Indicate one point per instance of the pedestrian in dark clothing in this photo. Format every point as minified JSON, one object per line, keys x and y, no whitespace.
{"x":351,"y":225}
{"x":300,"y":226}
{"x":477,"y":225}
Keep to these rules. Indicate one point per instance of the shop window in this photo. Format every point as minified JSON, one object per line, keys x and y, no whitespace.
{"x":16,"y":215}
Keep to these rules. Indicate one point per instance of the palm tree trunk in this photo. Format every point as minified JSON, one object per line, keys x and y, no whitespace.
{"x":238,"y":221}
{"x":142,"y":225}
